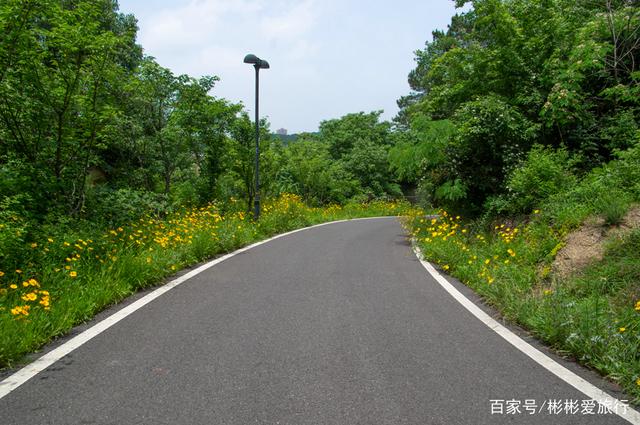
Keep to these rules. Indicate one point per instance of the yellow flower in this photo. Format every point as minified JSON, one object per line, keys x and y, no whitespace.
{"x":18,"y":271}
{"x":548,"y":291}
{"x":445,"y":267}
{"x":487,"y":261}
{"x":30,"y":296}
{"x":34,"y":245}
{"x":622,"y":329}
{"x":73,"y":274}
{"x":13,"y":286}
{"x":637,"y":305}
{"x":20,"y":309}
{"x":50,"y":240}
{"x":536,"y":211}
{"x":1,"y":274}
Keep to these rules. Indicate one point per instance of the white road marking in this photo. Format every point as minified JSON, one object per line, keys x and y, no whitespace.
{"x":23,"y":375}
{"x":590,"y":390}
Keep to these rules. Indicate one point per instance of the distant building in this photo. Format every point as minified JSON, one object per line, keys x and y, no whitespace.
{"x":281,"y":132}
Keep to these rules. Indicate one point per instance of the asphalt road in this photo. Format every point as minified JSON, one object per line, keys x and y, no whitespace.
{"x":338,"y":324}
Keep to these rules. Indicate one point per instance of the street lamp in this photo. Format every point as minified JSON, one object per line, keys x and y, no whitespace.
{"x":257,"y":64}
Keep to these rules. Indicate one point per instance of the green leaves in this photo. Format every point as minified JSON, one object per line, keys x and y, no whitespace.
{"x":60,"y":68}
{"x":513,"y":73}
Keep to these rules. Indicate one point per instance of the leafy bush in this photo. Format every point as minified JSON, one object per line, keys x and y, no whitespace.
{"x":492,"y":138}
{"x":544,"y":173}
{"x":626,"y":171}
{"x":14,"y":230}
{"x":124,"y":205}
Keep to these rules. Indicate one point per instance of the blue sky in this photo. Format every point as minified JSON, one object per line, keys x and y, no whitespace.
{"x":328,"y":57}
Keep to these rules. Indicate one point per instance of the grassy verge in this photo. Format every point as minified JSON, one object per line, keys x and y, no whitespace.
{"x":65,"y":279}
{"x":592,"y":315}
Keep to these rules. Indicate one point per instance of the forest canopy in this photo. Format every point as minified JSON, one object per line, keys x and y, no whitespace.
{"x":93,"y":129}
{"x":509,"y":76}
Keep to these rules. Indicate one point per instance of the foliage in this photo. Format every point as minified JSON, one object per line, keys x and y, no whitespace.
{"x":593,"y":314}
{"x":511,"y":74}
{"x":421,"y":149}
{"x":492,"y":137}
{"x":65,"y":276}
{"x":342,"y":134}
{"x":310,"y":172}
{"x":543,"y":174}
{"x":347,"y":158}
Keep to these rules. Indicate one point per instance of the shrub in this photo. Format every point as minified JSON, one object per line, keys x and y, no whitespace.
{"x":125,"y":205}
{"x":613,"y":205}
{"x":544,"y":173}
{"x":492,"y":137}
{"x":14,"y":231}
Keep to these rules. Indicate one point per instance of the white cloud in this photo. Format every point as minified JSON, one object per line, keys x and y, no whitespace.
{"x":195,"y":23}
{"x":182,"y":35}
{"x":291,"y":21}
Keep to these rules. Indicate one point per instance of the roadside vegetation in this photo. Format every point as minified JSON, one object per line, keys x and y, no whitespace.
{"x":522,"y":124}
{"x":590,"y":310}
{"x":524,"y":120}
{"x":115,"y":172}
{"x":62,"y":279}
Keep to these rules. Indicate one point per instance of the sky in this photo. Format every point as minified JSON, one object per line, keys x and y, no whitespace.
{"x":328,"y":58}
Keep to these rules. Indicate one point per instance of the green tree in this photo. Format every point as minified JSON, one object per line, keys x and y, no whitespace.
{"x":309,"y":171}
{"x":241,"y":160}
{"x":341,"y":134}
{"x":60,"y":63}
{"x":203,"y":122}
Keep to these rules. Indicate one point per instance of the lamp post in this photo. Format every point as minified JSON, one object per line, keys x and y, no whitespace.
{"x":257,"y":64}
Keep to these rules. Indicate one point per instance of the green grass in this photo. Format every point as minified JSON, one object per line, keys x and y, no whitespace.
{"x":111,"y":264}
{"x":591,"y":316}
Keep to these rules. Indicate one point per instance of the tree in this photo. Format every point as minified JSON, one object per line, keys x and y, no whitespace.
{"x":341,"y":134}
{"x":309,"y":171}
{"x":241,"y":159}
{"x":60,"y":64}
{"x":203,"y":123}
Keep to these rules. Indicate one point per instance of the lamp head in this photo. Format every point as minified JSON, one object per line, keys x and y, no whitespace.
{"x":252,"y":59}
{"x":256,"y":61}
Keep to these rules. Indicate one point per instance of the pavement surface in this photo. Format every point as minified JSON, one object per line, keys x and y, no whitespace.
{"x":338,"y":324}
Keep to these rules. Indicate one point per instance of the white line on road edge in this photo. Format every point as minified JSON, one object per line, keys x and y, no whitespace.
{"x":23,"y":375}
{"x":543,"y":360}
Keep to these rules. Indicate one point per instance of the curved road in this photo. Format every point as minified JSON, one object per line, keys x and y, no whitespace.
{"x":338,"y":324}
